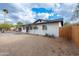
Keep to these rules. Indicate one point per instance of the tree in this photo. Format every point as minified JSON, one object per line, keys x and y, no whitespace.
{"x":6,"y":26}
{"x":66,"y":23}
{"x":5,"y":12}
{"x":19,"y":24}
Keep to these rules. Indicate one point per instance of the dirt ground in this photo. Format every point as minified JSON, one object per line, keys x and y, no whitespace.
{"x":19,"y":44}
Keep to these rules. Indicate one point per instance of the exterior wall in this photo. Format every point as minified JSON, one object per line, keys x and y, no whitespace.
{"x":52,"y":29}
{"x":23,"y":30}
{"x":37,"y":31}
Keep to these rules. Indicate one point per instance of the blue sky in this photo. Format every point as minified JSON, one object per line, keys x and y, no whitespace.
{"x":29,"y":12}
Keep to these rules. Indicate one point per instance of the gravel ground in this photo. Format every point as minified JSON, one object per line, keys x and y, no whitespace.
{"x":18,"y":44}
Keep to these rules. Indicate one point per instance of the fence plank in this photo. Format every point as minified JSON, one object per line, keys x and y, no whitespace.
{"x":70,"y":33}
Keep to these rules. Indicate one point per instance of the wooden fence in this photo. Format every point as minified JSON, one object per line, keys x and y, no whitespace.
{"x":71,"y":33}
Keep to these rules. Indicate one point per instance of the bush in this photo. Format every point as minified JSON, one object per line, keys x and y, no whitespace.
{"x":5,"y":27}
{"x":48,"y":35}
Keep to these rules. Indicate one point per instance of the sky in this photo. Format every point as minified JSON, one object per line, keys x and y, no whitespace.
{"x":30,"y":12}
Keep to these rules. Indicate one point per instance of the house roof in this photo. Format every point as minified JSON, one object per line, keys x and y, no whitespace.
{"x":42,"y":21}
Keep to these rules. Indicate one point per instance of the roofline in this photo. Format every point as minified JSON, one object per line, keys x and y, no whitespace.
{"x":59,"y":19}
{"x":49,"y":21}
{"x":46,"y":23}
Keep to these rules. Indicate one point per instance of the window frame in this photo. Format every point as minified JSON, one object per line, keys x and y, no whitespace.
{"x":44,"y":27}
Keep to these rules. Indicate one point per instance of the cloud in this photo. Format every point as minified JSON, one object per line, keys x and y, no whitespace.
{"x":23,"y":11}
{"x":1,"y":21}
{"x":42,"y":16}
{"x":62,"y":9}
{"x":8,"y":19}
{"x":1,"y":16}
{"x":25,"y":14}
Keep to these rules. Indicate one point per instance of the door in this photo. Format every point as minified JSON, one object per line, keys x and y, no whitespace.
{"x":27,"y":28}
{"x":19,"y":29}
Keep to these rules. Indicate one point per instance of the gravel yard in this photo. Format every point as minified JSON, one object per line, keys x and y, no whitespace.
{"x":18,"y":44}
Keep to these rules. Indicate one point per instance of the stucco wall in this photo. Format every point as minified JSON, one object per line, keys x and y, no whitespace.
{"x":52,"y":29}
{"x":23,"y":30}
{"x":37,"y":31}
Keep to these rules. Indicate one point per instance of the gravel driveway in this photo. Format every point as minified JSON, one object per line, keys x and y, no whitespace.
{"x":18,"y":44}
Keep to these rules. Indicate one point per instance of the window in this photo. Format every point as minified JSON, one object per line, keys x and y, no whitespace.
{"x":35,"y":27}
{"x":44,"y":27}
{"x":24,"y":27}
{"x":30,"y":27}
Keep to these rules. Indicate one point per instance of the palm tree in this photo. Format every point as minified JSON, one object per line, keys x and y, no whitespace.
{"x":5,"y":12}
